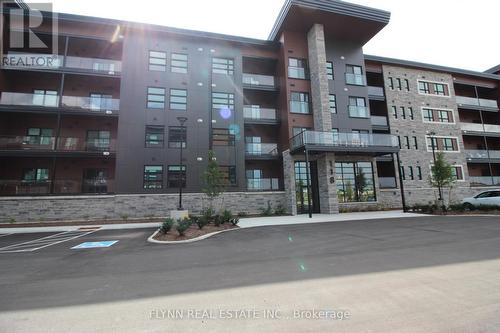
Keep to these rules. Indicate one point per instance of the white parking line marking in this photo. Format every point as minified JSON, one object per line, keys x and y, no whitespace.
{"x":40,"y":243}
{"x":3,"y":235}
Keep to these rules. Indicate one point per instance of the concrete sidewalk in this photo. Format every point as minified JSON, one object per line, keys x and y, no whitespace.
{"x":244,"y":222}
{"x":321,"y":218}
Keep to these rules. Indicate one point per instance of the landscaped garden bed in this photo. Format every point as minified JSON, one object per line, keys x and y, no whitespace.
{"x":456,"y":209}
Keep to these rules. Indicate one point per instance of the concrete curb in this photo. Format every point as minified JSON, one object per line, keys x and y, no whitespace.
{"x":192,"y":240}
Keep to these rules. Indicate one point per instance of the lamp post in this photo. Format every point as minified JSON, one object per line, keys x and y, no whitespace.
{"x":432,"y":136}
{"x":181,"y":120}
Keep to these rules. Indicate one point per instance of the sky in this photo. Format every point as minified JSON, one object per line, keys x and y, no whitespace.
{"x":453,"y":33}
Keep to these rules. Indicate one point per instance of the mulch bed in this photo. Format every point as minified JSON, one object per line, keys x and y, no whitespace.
{"x":192,"y":232}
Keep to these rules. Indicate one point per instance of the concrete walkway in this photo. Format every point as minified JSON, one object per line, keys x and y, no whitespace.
{"x":321,"y":218}
{"x":244,"y":222}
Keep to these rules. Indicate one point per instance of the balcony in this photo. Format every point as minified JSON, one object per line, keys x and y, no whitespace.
{"x":355,"y":79}
{"x":316,"y":141}
{"x":63,"y":145}
{"x":387,"y":182}
{"x":478,"y":128}
{"x":263,"y":184}
{"x":482,"y":154}
{"x":376,"y":93}
{"x":379,"y":121}
{"x":61,"y":186}
{"x":261,"y":151}
{"x":359,"y":111}
{"x":477,"y":103}
{"x":484,"y":180}
{"x":23,"y":99}
{"x":258,"y":81}
{"x":20,"y":60}
{"x":258,"y":115}
{"x":94,"y":104}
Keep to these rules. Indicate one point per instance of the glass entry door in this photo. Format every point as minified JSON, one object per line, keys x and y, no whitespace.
{"x":95,"y":181}
{"x":301,"y":187}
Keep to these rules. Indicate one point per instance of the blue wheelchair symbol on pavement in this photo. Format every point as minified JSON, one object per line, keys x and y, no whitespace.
{"x":92,"y":245}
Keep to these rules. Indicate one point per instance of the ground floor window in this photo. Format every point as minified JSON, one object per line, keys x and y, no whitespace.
{"x":301,"y":184}
{"x":36,"y":175}
{"x":355,"y":181}
{"x":153,"y":177}
{"x":176,"y":175}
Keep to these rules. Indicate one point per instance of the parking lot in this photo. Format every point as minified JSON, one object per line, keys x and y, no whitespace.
{"x":424,"y":274}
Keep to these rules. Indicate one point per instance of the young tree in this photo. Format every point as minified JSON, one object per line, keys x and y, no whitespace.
{"x":361,"y":184}
{"x":442,"y":173}
{"x":213,"y":178}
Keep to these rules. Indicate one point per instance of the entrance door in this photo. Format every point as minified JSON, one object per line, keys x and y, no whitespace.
{"x":95,"y":181}
{"x":301,"y":187}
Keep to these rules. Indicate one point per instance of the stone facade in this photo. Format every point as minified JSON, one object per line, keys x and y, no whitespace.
{"x":25,"y":209}
{"x":328,"y":200}
{"x":289,"y":180}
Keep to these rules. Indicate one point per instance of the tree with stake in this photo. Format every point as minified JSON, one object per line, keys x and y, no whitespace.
{"x":442,"y":174}
{"x":213,"y":178}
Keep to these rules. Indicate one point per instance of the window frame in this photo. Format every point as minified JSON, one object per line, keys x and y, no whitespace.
{"x":161,"y":142}
{"x":178,"y":102}
{"x":146,"y":180}
{"x":152,"y":101}
{"x":176,"y":144}
{"x":175,"y":64}
{"x":223,"y":66}
{"x":161,"y":67}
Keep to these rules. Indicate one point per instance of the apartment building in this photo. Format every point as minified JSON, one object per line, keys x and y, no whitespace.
{"x":304,"y":119}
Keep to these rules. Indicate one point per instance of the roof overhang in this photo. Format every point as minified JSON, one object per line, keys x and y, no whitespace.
{"x":493,"y":70}
{"x":340,"y":19}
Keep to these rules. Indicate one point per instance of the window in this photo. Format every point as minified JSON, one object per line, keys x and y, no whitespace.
{"x":335,"y":132}
{"x":177,"y":136}
{"x":433,"y":88}
{"x":332,"y":103}
{"x":156,"y":98}
{"x":223,"y":136}
{"x":403,"y":112}
{"x":176,"y":175}
{"x":101,"y":102}
{"x":178,"y":63}
{"x":399,"y":142}
{"x":355,"y":181}
{"x":178,"y":99}
{"x":410,"y":173}
{"x":299,"y":102}
{"x":415,"y":142}
{"x":448,"y":144}
{"x":457,"y":172}
{"x":329,"y":70}
{"x":39,"y":136}
{"x":444,"y":144}
{"x":222,"y":101}
{"x":154,"y":136}
{"x":157,"y":61}
{"x":98,"y":140}
{"x":298,"y":130}
{"x":354,"y":75}
{"x":357,"y":107}
{"x":419,"y":173}
{"x":153,"y":177}
{"x":407,"y":142}
{"x":443,"y":116}
{"x":402,"y":172}
{"x":45,"y":97}
{"x":427,"y":114}
{"x":223,"y":66}
{"x":35,"y":175}
{"x":407,"y":85}
{"x":437,"y":115}
{"x":391,"y":83}
{"x":228,"y":174}
{"x":297,"y":68}
{"x":398,"y":80}
{"x":394,"y":112}
{"x":410,"y":112}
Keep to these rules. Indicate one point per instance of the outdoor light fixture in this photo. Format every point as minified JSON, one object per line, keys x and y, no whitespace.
{"x":181,"y":120}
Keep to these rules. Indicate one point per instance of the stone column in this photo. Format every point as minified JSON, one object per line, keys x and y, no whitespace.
{"x":289,"y":180}
{"x":328,"y":201}
{"x":319,"y":79}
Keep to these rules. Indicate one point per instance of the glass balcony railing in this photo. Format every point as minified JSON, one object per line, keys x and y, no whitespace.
{"x":379,"y":121}
{"x":107,"y":105}
{"x":261,"y":149}
{"x":258,"y":80}
{"x":33,"y":60}
{"x":263,"y":184}
{"x":355,"y":79}
{"x":481,"y":102}
{"x":387,"y":182}
{"x":24,"y":99}
{"x":300,"y":107}
{"x":335,"y":139}
{"x":488,"y":128}
{"x":107,"y":66}
{"x":359,"y":111}
{"x":376,"y":91}
{"x":482,"y":154}
{"x":47,"y":143}
{"x":484,"y":180}
{"x":258,"y":113}
{"x":61,"y":186}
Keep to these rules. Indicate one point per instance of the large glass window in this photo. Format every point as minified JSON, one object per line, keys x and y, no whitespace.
{"x":357,"y":107}
{"x":223,"y":136}
{"x":177,"y":136}
{"x":153,"y":177}
{"x":156,"y":98}
{"x":36,"y":175}
{"x":329,"y":70}
{"x":45,"y":97}
{"x":222,"y":100}
{"x":433,"y":88}
{"x":178,"y":99}
{"x":332,"y":103}
{"x":299,"y":102}
{"x":355,"y":181}
{"x":223,"y":66}
{"x":157,"y":61}
{"x":179,"y":63}
{"x":39,"y":136}
{"x":354,"y":75}
{"x":301,"y":185}
{"x":98,"y":140}
{"x":176,"y":175}
{"x":228,"y":174}
{"x":154,"y":136}
{"x":297,"y":68}
{"x":101,"y":102}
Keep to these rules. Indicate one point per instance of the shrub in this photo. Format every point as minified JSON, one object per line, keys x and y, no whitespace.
{"x":201,"y":222}
{"x":456,"y":207}
{"x":488,"y":207}
{"x":279,"y":210}
{"x":12,"y":220}
{"x":217,"y":220}
{"x":208,"y":213}
{"x":123,"y":216}
{"x":226,"y":215}
{"x":235,"y":220}
{"x":267,"y":211}
{"x":166,"y":225}
{"x":182,"y":226}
